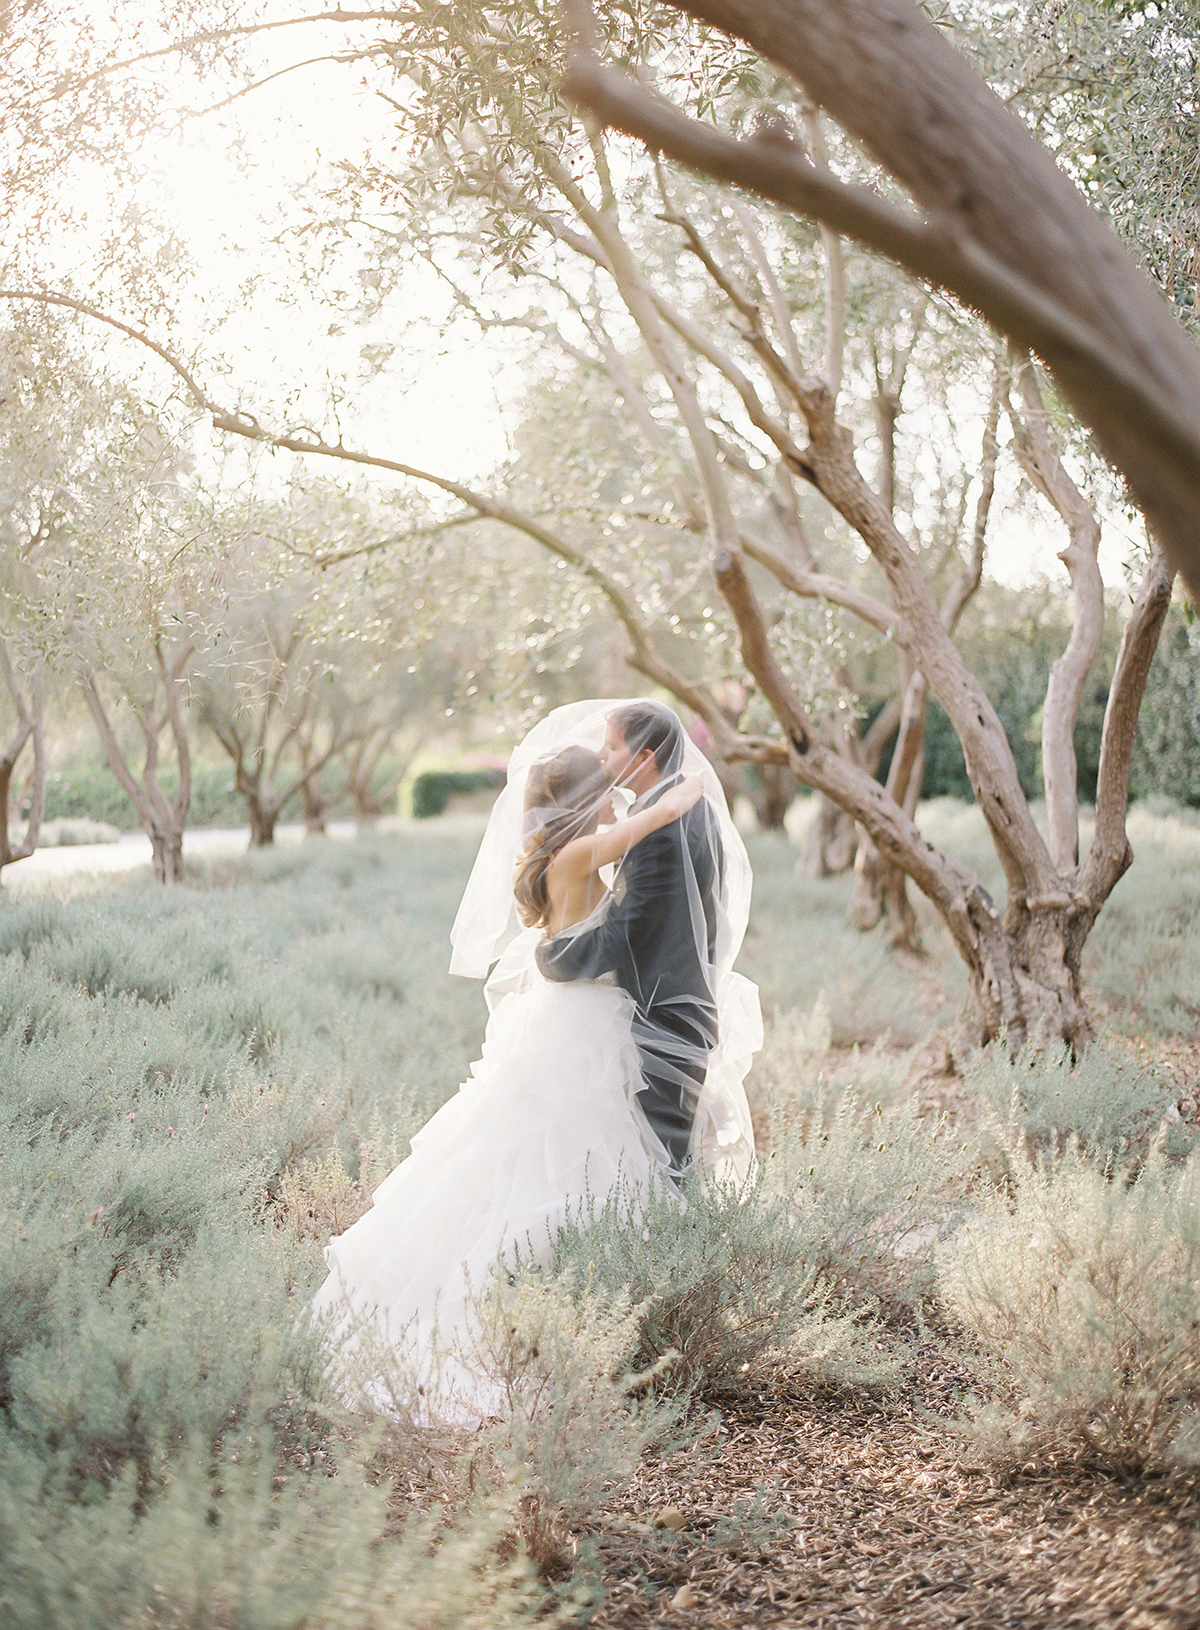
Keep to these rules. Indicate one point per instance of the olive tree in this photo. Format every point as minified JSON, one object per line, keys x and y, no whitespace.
{"x":266,"y":686}
{"x":38,"y":438}
{"x":104,"y":576}
{"x":112,"y":567}
{"x":736,"y":380}
{"x":136,"y":600}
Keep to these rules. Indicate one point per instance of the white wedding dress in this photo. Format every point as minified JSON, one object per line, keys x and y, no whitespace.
{"x":548,"y":1117}
{"x":548,"y":1122}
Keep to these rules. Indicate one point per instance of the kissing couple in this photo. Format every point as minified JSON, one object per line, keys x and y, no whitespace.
{"x":609,"y":899}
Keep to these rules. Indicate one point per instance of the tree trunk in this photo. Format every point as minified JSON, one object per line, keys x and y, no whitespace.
{"x":263,"y":817}
{"x":881,"y":886}
{"x":831,"y":841}
{"x":7,"y":854}
{"x":315,"y":811}
{"x":997,"y":223}
{"x":166,"y":850}
{"x":770,"y":788}
{"x":30,"y":711}
{"x":734,"y":781}
{"x":881,"y":896}
{"x":1025,"y":983}
{"x":163,"y":820}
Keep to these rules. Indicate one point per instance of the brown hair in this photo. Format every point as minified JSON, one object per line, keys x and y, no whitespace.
{"x":565,"y":789}
{"x":649,"y":724}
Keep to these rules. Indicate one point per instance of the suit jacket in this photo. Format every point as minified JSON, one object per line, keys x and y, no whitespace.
{"x":648,"y":938}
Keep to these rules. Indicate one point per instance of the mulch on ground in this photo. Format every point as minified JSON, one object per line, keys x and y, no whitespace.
{"x":872,"y":1520}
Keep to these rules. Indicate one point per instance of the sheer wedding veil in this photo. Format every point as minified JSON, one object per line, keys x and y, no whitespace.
{"x":697,"y":1023}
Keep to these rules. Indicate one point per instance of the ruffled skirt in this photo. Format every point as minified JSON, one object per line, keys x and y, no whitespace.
{"x":548,"y":1117}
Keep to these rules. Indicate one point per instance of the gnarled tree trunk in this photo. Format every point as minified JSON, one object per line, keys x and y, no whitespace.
{"x":166,"y":855}
{"x":770,"y":788}
{"x":263,"y":814}
{"x":371,"y":800}
{"x":29,"y":706}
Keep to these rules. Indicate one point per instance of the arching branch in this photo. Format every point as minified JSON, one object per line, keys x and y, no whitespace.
{"x":218,"y":36}
{"x":1139,"y":419}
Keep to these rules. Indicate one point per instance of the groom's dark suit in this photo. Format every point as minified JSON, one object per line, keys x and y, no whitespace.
{"x":659,"y":939}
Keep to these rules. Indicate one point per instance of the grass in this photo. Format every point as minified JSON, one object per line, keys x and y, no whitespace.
{"x":199,"y":1085}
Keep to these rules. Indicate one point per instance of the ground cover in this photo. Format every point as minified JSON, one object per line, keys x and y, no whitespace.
{"x":197,"y":1086}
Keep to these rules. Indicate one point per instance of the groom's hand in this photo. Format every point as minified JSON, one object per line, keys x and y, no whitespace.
{"x":550,"y":956}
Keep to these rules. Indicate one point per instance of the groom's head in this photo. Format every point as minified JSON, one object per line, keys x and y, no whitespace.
{"x":643,"y":743}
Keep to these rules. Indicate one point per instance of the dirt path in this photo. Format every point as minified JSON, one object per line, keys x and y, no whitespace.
{"x":888,"y":1529}
{"x":132,"y":850}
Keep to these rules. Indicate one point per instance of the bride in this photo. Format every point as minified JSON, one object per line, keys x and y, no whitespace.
{"x":617,"y":1041}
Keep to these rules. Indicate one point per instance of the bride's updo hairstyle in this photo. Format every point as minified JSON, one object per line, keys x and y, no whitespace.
{"x":562,"y":796}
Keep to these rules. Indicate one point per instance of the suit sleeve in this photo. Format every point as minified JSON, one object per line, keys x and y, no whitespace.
{"x":649,"y":875}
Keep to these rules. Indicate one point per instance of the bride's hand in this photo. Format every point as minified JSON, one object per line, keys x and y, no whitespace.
{"x":688,"y":792}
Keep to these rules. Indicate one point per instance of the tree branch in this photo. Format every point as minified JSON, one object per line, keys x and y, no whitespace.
{"x":112,"y":750}
{"x":820,"y":586}
{"x":835,"y":269}
{"x":1034,"y":447}
{"x":171,"y":673}
{"x":216,"y":36}
{"x":952,"y":888}
{"x":1110,"y":854}
{"x":340,"y":57}
{"x":772,"y":287}
{"x":643,"y":656}
{"x":720,"y":359}
{"x":971,"y":575}
{"x":30,"y":716}
{"x":1144,"y":428}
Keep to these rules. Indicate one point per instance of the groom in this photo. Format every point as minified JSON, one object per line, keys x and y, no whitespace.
{"x":659,"y":938}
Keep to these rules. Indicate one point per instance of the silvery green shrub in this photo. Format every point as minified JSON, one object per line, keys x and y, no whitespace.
{"x":1080,"y":1296}
{"x":725,"y":1282}
{"x":227,"y":1543}
{"x":1105,"y":1102}
{"x":573,"y":1421}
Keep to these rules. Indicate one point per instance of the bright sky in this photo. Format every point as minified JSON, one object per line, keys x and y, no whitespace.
{"x":438,"y":405}
{"x":437,"y":396}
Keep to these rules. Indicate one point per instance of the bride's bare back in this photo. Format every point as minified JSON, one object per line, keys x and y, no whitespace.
{"x":573,"y":883}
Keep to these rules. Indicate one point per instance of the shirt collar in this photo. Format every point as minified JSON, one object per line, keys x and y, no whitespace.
{"x":655,"y":793}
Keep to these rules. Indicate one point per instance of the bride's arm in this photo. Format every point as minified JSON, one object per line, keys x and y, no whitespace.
{"x":598,"y":849}
{"x":651,"y":874}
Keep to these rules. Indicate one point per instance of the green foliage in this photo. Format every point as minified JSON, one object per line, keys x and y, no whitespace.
{"x":232,"y":1544}
{"x":869,"y":992}
{"x":184,"y":1078}
{"x":87,"y":789}
{"x":1142,"y":960}
{"x":197,"y":1087}
{"x":574,"y":1422}
{"x":432,"y":790}
{"x":1167,"y":757}
{"x":1082,"y":1293}
{"x":872,"y":1187}
{"x":872,"y":1191}
{"x":1114,"y":83}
